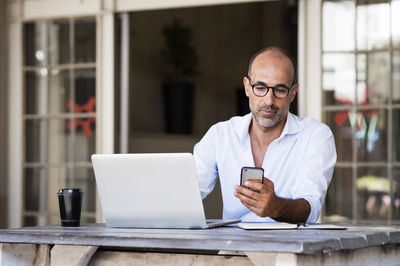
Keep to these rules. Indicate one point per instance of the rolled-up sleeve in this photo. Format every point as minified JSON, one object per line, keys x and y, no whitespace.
{"x":316,"y":170}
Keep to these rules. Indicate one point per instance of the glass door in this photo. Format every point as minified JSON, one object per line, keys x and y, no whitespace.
{"x":360,"y":73}
{"x":59,"y":116}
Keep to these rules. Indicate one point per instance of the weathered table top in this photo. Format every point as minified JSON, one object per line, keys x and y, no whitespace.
{"x":223,"y":238}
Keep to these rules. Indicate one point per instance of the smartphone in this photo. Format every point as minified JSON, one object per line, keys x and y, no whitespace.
{"x":254,"y":174}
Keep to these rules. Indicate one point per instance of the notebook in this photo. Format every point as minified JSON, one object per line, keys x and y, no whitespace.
{"x":286,"y":226}
{"x":153,"y":190}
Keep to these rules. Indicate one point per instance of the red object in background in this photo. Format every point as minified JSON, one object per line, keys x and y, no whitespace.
{"x":341,"y":117}
{"x":84,"y":123}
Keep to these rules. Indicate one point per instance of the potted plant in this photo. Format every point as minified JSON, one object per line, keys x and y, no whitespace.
{"x":180,"y":64}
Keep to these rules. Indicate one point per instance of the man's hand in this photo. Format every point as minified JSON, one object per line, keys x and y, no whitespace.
{"x":262,"y":202}
{"x":265,"y":203}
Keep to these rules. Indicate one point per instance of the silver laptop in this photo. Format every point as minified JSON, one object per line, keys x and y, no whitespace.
{"x":150,"y":191}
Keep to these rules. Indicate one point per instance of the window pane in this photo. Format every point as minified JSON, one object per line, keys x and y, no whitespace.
{"x":85,"y":102}
{"x":84,"y":179}
{"x":34,"y":43}
{"x":35,"y":141}
{"x":396,"y":135}
{"x":59,"y":140}
{"x":85,"y":41}
{"x":338,"y":29}
{"x":85,"y":139}
{"x":35,"y":189}
{"x":58,"y":42}
{"x":339,"y":79}
{"x":339,"y":202}
{"x":87,"y":220}
{"x":373,"y":193}
{"x":371,"y":134}
{"x":396,"y":194}
{"x":35,"y":92}
{"x":59,"y":91}
{"x":378,"y":88}
{"x":373,"y":25}
{"x":54,"y":219}
{"x":85,"y":90}
{"x":396,"y":77}
{"x":361,"y":78}
{"x":30,"y":221}
{"x":362,"y":67}
{"x":57,"y":179}
{"x":341,"y":125}
{"x":396,"y":23}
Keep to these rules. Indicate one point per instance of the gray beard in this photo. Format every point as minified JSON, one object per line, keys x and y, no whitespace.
{"x":259,"y":119}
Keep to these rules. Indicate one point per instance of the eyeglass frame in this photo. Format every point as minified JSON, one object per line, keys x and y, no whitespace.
{"x":270,"y":87}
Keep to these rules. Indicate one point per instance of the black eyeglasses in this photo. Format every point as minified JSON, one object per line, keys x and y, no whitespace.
{"x":280,"y":91}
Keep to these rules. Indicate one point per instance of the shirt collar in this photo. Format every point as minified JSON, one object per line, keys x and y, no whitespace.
{"x":291,"y":126}
{"x":242,"y":128}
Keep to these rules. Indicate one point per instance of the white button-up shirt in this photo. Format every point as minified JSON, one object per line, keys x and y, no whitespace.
{"x":300,"y":163}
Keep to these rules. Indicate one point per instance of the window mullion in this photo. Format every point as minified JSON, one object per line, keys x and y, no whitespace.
{"x":43,"y":127}
{"x":390,"y":119}
{"x":354,"y":129}
{"x":71,"y":168}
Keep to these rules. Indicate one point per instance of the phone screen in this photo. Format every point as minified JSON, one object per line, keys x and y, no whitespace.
{"x":254,"y":174}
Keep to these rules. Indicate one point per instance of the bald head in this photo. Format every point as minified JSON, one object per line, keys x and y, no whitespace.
{"x":276,"y":54}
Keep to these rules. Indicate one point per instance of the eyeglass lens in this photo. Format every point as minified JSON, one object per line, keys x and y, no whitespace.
{"x":278,"y":91}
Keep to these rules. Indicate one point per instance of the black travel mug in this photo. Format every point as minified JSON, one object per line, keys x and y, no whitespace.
{"x":70,"y":202}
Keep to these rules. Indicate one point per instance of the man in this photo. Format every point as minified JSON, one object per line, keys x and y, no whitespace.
{"x":297,"y":154}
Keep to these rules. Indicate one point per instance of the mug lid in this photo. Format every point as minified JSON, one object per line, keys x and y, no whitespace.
{"x":70,"y":190}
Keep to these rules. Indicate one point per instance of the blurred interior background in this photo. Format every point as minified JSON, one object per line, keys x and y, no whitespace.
{"x":84,"y":78}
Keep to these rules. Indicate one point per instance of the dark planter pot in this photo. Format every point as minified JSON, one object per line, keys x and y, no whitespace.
{"x":178,"y":103}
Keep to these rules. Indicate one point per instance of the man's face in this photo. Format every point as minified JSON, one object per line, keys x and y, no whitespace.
{"x":270,"y":69}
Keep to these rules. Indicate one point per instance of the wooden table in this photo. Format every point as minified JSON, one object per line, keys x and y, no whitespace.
{"x":99,"y":245}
